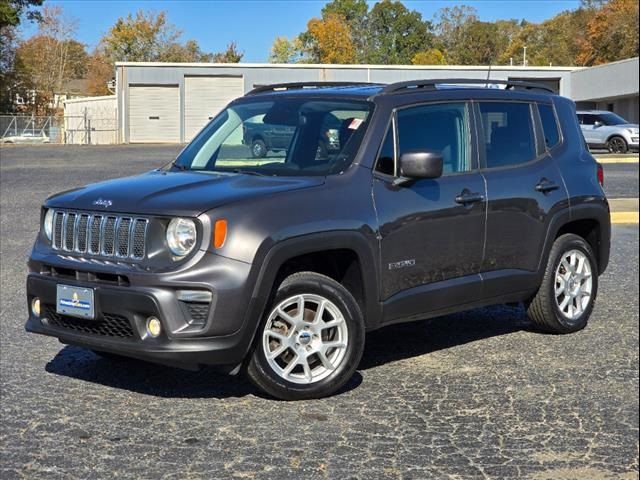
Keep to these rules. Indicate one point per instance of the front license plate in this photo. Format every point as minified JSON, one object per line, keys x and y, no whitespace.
{"x":75,"y":301}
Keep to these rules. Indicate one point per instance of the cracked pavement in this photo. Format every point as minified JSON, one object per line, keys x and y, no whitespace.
{"x":472,"y":395}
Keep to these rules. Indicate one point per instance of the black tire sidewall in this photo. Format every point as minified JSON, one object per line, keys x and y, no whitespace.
{"x":572,"y":242}
{"x":263,"y":148}
{"x":625,"y":147}
{"x":323,"y":286}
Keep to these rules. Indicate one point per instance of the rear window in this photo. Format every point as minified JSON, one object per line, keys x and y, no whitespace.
{"x":549,"y":125}
{"x":508,"y":133}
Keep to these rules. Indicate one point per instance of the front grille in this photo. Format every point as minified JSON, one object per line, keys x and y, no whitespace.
{"x":100,"y":234}
{"x":109,"y":325}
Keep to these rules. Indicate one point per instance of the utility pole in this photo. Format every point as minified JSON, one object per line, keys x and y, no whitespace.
{"x":524,"y":57}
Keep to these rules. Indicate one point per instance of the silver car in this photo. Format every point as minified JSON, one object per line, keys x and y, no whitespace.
{"x":603,"y":129}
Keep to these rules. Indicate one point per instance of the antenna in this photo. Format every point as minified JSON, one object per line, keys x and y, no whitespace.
{"x":486,"y":85}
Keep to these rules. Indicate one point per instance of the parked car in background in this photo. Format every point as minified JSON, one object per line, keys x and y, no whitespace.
{"x":26,"y":137}
{"x":603,"y":129}
{"x":265,"y":137}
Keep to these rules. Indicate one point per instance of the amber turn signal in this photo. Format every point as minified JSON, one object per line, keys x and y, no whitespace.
{"x":219,"y":233}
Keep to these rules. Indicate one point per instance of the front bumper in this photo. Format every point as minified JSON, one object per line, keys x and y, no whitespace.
{"x":121,"y":313}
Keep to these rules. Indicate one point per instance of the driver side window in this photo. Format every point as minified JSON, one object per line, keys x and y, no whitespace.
{"x":442,"y":128}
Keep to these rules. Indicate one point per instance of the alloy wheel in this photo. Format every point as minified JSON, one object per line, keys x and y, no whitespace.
{"x":305,"y":338}
{"x":573,"y":284}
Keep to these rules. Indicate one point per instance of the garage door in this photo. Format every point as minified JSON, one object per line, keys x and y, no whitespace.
{"x":154,"y":114}
{"x":204,"y":97}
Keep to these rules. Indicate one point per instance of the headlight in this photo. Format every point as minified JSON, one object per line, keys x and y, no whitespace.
{"x":181,"y":236}
{"x":48,"y":223}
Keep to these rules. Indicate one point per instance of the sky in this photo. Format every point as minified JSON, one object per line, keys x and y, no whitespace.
{"x":254,"y":24}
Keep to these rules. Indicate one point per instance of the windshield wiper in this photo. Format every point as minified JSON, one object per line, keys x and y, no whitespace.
{"x":178,"y":166}
{"x":248,"y":172}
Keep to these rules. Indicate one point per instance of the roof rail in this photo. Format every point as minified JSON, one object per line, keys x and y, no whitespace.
{"x":431,"y":84}
{"x":301,"y":85}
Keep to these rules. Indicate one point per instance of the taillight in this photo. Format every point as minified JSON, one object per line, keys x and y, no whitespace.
{"x":600,"y":175}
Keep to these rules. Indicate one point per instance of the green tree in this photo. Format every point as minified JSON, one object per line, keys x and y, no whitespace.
{"x":284,"y":50}
{"x":11,"y":11}
{"x":432,"y":56}
{"x":230,"y":55}
{"x":396,"y":33}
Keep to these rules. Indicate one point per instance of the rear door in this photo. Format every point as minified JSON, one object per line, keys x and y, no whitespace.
{"x":524,"y":188}
{"x":431,"y":230}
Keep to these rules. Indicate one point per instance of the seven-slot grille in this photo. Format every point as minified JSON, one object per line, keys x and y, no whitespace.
{"x":99,"y":234}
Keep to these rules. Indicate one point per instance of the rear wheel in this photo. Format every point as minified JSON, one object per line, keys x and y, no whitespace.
{"x":617,"y":145}
{"x":566,"y":296}
{"x":310,"y":341}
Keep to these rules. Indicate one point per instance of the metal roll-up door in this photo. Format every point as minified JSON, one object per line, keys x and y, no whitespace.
{"x":204,"y":97}
{"x":154,"y":114}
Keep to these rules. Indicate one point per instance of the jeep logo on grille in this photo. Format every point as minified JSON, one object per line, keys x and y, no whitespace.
{"x":103,"y":203}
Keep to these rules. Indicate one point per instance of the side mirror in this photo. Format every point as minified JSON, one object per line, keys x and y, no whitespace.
{"x":597,"y":123}
{"x":421,"y":164}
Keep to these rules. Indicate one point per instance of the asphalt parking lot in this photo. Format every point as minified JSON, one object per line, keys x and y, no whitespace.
{"x":473,"y":395}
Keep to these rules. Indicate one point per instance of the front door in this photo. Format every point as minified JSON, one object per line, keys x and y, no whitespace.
{"x":432,"y":230}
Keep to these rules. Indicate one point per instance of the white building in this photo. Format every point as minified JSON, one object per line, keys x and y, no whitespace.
{"x":170,"y":102}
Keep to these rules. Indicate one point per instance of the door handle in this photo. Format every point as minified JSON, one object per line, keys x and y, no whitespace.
{"x":546,"y":186}
{"x":467,"y":197}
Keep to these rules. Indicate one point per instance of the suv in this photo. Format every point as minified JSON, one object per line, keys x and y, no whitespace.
{"x":602,"y":129}
{"x":443,"y":197}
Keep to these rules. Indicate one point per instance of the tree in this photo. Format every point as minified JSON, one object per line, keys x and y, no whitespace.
{"x":230,"y":55}
{"x":396,"y":34}
{"x":147,"y":37}
{"x":99,"y":72}
{"x":612,"y":33}
{"x":432,"y":56}
{"x":284,"y":50}
{"x":11,"y":11}
{"x":450,"y":25}
{"x":328,"y":40}
{"x":48,"y":60}
{"x":355,"y":14}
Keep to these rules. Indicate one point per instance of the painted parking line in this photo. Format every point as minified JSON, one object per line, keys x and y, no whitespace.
{"x":608,"y":161}
{"x":624,"y":218}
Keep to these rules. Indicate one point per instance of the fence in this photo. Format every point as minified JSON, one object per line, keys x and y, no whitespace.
{"x":83,"y":129}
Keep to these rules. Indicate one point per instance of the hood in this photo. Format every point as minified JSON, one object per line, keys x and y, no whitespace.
{"x":175,"y":193}
{"x":628,"y":125}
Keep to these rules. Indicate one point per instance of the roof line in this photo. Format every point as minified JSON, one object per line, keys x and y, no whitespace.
{"x":346,"y":66}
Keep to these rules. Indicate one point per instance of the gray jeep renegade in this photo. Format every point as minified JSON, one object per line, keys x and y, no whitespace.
{"x":440,"y":196}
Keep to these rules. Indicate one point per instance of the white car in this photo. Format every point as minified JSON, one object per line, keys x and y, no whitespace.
{"x":26,"y":137}
{"x":603,"y":129}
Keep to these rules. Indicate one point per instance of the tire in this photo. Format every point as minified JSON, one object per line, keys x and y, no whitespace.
{"x":617,"y":144}
{"x":258,"y":148}
{"x":291,"y":343}
{"x":553,"y":310}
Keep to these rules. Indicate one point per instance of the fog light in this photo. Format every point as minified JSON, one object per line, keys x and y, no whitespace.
{"x":35,"y":306}
{"x":153,"y":326}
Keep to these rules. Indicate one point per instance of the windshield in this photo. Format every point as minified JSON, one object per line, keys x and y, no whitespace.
{"x":287,"y":136}
{"x":612,"y":119}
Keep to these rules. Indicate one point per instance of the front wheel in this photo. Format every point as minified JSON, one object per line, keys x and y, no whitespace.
{"x":568,"y":291}
{"x":258,"y":149}
{"x":617,"y":145}
{"x":311,"y":339}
